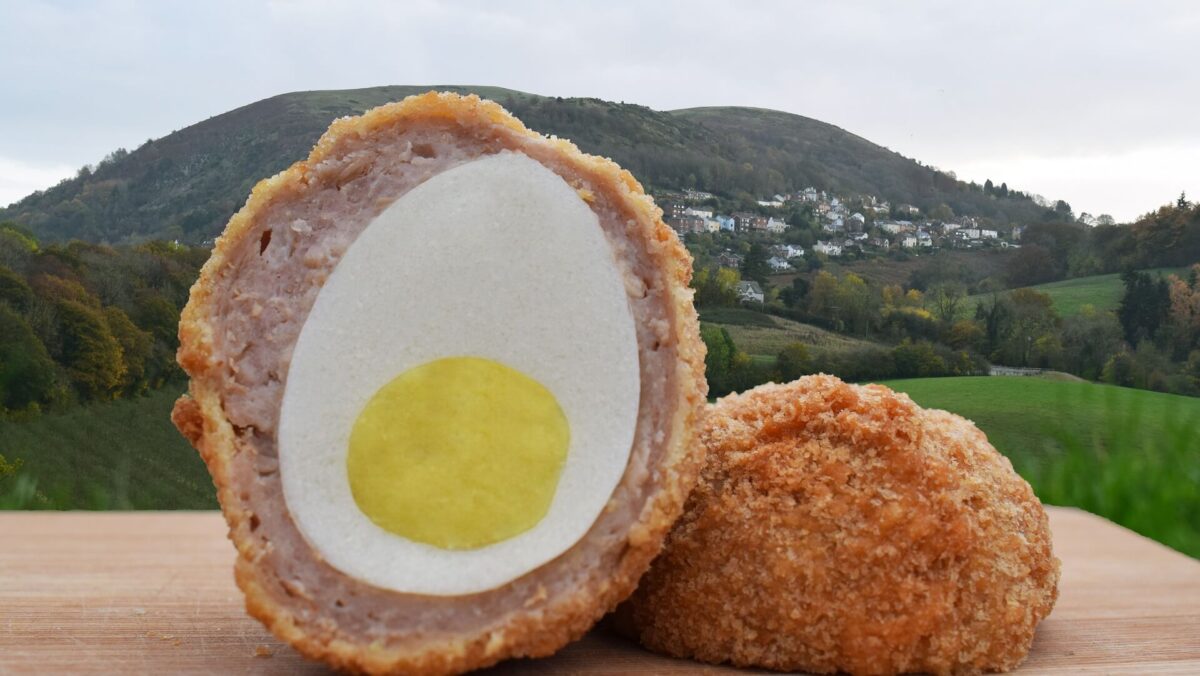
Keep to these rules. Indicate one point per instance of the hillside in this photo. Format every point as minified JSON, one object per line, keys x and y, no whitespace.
{"x":1102,"y":292}
{"x":186,"y":185}
{"x":1128,"y":455}
{"x":764,"y":336}
{"x":112,"y":455}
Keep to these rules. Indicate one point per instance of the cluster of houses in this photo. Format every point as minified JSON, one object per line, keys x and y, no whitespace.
{"x":872,"y":225}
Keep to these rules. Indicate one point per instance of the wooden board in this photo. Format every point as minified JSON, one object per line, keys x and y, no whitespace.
{"x":153,"y":593}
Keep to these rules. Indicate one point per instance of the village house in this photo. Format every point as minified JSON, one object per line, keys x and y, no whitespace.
{"x":727,"y":223}
{"x":697,"y":195}
{"x":778,"y":264}
{"x":776,"y":226}
{"x":924,"y":238}
{"x":828,"y":248}
{"x":687,"y":224}
{"x":746,"y":222}
{"x":880,"y":243}
{"x":750,"y":292}
{"x":896,"y":227}
{"x":702,"y":213}
{"x":787,"y":251}
{"x":857,"y":220}
{"x":909,"y":242}
{"x":728,"y":259}
{"x":1016,"y":231}
{"x":988,"y":234}
{"x":672,"y":209}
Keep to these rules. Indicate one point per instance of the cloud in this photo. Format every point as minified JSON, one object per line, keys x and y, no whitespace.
{"x":953,"y":84}
{"x":18,"y":178}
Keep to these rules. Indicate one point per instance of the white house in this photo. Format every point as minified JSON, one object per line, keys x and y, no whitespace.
{"x":776,"y":226}
{"x":788,"y":251}
{"x":988,"y":234}
{"x":750,"y":292}
{"x":779,"y":264}
{"x":923,"y":239}
{"x":909,"y":242}
{"x":828,"y":248}
{"x":712,"y":225}
{"x":858,"y":218}
{"x":702,"y":213}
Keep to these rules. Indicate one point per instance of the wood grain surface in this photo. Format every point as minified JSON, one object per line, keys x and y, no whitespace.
{"x":153,"y":592}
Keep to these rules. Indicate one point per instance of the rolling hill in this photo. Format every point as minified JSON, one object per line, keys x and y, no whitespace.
{"x":1102,"y":292}
{"x":186,"y":185}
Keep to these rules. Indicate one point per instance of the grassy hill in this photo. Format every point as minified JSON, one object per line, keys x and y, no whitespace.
{"x":1103,"y":292}
{"x":763,"y":336}
{"x":119,"y":455}
{"x":1132,"y":456}
{"x":185,"y":185}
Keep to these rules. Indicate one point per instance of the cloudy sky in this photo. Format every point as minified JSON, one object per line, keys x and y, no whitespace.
{"x":1092,"y":102}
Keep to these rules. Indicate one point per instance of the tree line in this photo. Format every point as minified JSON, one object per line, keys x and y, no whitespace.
{"x":83,"y":322}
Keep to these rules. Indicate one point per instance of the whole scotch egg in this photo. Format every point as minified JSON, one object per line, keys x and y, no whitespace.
{"x":444,"y":374}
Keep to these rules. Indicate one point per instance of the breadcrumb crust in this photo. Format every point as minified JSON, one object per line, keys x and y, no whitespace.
{"x":549,"y":623}
{"x":843,"y":528}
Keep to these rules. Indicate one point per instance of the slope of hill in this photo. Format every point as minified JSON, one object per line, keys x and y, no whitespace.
{"x":1102,"y":292}
{"x":112,"y":455}
{"x":185,"y":185}
{"x":1128,"y":455}
{"x":764,"y":336}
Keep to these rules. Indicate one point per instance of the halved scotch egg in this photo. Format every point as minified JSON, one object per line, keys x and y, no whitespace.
{"x":444,"y":374}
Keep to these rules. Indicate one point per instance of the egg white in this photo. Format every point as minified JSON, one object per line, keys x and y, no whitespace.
{"x":497,"y":258}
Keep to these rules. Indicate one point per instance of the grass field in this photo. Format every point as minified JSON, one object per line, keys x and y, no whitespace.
{"x":763,"y":336}
{"x":1102,"y":292}
{"x":119,"y":455}
{"x":1132,"y":456}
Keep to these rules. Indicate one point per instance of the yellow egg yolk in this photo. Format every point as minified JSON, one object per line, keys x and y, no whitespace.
{"x":458,"y":453}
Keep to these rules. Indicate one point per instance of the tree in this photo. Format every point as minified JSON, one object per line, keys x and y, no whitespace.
{"x":716,"y":287}
{"x":754,"y":265}
{"x":942,"y":212}
{"x":856,"y":304}
{"x":1003,"y":190}
{"x":794,"y":361}
{"x":822,"y":295}
{"x":988,"y":188}
{"x":1089,"y":339}
{"x":946,"y":299}
{"x":966,"y":334}
{"x":1031,"y":264}
{"x":1144,"y":307}
{"x":26,"y":370}
{"x":136,"y":348}
{"x":90,"y":352}
{"x":719,"y":360}
{"x":1031,"y":318}
{"x":795,"y":295}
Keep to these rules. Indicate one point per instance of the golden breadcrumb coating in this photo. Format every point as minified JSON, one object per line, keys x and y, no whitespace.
{"x":540,"y":624}
{"x":843,"y":528}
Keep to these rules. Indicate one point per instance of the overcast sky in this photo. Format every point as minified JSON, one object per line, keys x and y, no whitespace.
{"x":1097,"y":103}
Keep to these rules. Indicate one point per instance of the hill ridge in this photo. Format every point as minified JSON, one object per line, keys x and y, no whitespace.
{"x":185,"y":185}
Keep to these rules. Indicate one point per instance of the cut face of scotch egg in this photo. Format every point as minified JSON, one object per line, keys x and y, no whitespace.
{"x":462,"y":399}
{"x":445,"y":375}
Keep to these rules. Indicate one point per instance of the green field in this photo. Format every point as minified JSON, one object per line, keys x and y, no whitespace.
{"x":763,"y":336}
{"x":1132,"y":456}
{"x":1103,"y":292}
{"x":119,"y":455}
